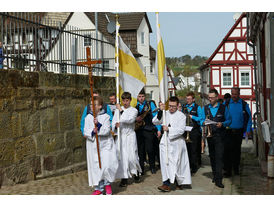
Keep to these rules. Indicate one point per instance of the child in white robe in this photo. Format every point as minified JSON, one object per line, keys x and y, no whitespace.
{"x":127,"y":149}
{"x":100,"y":178}
{"x":173,"y":150}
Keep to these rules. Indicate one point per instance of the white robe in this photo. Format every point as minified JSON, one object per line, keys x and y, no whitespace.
{"x":129,"y":159}
{"x":178,"y":163}
{"x":109,"y":162}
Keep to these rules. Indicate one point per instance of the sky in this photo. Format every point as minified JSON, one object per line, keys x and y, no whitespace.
{"x":193,"y":33}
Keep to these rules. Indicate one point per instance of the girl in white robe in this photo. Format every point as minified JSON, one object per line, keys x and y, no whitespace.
{"x":100,"y":178}
{"x":127,"y":150}
{"x":178,"y":163}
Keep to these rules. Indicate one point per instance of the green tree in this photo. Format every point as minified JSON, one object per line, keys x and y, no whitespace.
{"x":181,"y":94}
{"x":186,"y":59}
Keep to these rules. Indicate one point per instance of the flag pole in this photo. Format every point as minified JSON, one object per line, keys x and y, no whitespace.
{"x":117,"y":81}
{"x":161,"y":71}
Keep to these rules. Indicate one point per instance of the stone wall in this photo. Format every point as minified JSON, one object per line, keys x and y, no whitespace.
{"x":40,"y":123}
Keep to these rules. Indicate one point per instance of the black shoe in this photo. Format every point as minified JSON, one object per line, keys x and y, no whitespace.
{"x":123,"y":183}
{"x":213,"y":180}
{"x":193,"y":171}
{"x":219,"y":184}
{"x":137,"y":179}
{"x":153,"y":171}
{"x":187,"y":186}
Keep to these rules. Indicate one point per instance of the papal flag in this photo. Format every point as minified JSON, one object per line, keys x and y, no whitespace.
{"x":162,"y":78}
{"x":161,"y":69}
{"x":131,"y":77}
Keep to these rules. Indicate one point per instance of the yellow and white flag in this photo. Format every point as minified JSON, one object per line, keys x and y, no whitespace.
{"x":162,"y":78}
{"x":131,"y":76}
{"x":161,"y":65}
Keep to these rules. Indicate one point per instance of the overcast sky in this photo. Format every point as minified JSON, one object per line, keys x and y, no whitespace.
{"x":193,"y":33}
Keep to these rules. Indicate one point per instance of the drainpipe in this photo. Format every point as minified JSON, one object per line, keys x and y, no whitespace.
{"x":255,"y":73}
{"x":271,"y":149}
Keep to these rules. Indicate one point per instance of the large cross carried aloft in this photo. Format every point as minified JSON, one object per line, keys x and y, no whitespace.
{"x":90,"y":63}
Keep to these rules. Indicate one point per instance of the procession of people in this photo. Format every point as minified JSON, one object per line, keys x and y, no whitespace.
{"x":175,"y":142}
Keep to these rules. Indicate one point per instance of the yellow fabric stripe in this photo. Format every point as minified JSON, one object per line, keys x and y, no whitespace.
{"x":129,"y":65}
{"x":161,"y":60}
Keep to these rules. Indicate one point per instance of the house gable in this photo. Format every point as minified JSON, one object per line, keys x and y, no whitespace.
{"x":81,"y":17}
{"x":143,"y":35}
{"x":233,"y":49}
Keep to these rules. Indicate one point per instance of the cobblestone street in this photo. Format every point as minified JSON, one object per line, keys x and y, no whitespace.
{"x":250,"y":182}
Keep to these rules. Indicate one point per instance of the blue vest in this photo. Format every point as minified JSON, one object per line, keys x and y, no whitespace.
{"x":148,"y":119}
{"x":219,"y":117}
{"x":193,"y":112}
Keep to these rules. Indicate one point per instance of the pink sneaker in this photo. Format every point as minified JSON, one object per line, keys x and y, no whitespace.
{"x":108,"y":190}
{"x":97,"y":192}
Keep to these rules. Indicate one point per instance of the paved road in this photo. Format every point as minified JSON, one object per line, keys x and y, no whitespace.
{"x":249,"y":182}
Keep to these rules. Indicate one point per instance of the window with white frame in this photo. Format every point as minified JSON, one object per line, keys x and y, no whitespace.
{"x":87,"y":40}
{"x":227,"y":79}
{"x":245,"y":79}
{"x":142,"y":37}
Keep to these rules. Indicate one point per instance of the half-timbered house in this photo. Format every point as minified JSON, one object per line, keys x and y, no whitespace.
{"x":231,"y":65}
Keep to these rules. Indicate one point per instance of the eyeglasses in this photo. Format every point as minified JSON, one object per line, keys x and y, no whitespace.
{"x":212,"y":97}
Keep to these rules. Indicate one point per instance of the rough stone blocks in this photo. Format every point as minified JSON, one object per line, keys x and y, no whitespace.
{"x":49,"y":143}
{"x":24,"y":148}
{"x":49,"y":120}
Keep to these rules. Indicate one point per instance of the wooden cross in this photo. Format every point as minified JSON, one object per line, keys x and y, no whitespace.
{"x":90,"y":63}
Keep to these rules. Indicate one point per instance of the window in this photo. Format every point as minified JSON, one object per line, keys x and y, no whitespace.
{"x":142,"y":37}
{"x":46,"y":34}
{"x":106,"y":64}
{"x":245,"y":79}
{"x":227,"y":79}
{"x":24,"y":38}
{"x":87,"y":40}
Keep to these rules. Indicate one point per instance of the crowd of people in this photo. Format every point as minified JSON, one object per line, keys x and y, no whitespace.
{"x":172,"y":135}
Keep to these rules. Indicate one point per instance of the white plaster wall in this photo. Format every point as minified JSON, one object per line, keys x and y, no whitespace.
{"x":241,"y":46}
{"x":229,"y":46}
{"x":244,"y":22}
{"x":215,"y":77}
{"x":236,"y":33}
{"x":80,"y":20}
{"x":236,"y":77}
{"x":143,"y":48}
{"x":224,"y":91}
{"x":246,"y":92}
{"x":218,"y":57}
{"x":145,"y":62}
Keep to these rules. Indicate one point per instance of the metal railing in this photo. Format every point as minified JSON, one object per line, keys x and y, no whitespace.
{"x":38,"y":42}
